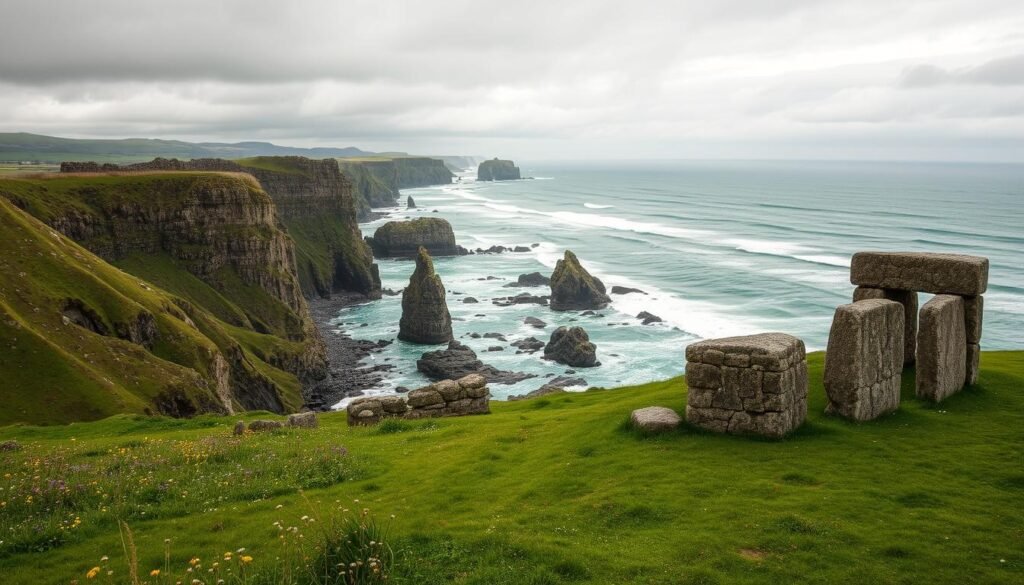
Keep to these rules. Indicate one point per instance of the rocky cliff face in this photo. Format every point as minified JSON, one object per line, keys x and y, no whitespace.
{"x":573,"y":288}
{"x":315,"y":202}
{"x":233,"y":313}
{"x":425,"y":318}
{"x":497,"y":170}
{"x":379,"y":179}
{"x":406,"y":238}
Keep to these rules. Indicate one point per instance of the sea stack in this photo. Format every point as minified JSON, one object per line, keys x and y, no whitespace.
{"x":410,"y":203}
{"x":403,"y":239}
{"x":497,"y":170}
{"x":425,"y":317}
{"x":573,"y":288}
{"x":572,"y":346}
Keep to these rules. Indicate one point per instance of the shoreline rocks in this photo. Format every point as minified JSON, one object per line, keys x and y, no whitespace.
{"x":571,"y":346}
{"x":573,"y":288}
{"x":531,"y":279}
{"x":457,"y":361}
{"x":425,"y":317}
{"x":403,"y":239}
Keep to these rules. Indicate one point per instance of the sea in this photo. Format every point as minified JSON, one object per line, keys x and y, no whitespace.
{"x":719,"y":248}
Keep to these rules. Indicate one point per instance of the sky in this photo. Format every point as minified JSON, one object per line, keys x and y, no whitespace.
{"x":765,"y":79}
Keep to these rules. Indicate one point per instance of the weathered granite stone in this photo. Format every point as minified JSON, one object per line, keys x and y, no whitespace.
{"x":425,"y":318}
{"x":974,"y":308}
{"x":239,"y":428}
{"x":908,"y":299}
{"x":655,"y":419}
{"x":405,"y":238}
{"x":306,"y":420}
{"x":573,"y":288}
{"x":258,"y":426}
{"x":957,"y":274}
{"x":571,"y":346}
{"x":864,"y":359}
{"x":973,"y":364}
{"x":941,"y":348}
{"x":767,"y":396}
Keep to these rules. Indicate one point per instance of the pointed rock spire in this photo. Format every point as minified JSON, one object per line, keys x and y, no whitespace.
{"x":573,"y":288}
{"x":425,"y":317}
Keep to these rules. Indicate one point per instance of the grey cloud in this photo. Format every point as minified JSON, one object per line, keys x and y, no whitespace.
{"x":1002,"y":71}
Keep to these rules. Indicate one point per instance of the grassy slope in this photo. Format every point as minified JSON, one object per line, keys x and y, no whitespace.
{"x":225,"y":316}
{"x":556,"y":491}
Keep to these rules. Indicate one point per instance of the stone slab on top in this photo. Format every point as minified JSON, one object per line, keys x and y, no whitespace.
{"x":957,"y":274}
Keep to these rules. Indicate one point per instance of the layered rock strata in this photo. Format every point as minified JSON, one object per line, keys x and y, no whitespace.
{"x":864,"y":359}
{"x":755,"y":384}
{"x":403,"y":239}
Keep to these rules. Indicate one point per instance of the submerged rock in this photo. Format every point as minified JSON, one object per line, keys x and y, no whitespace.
{"x":625,"y":290}
{"x":521,"y":299}
{"x":648,"y":318}
{"x":571,"y":346}
{"x":573,"y":288}
{"x":425,"y":318}
{"x":458,"y":361}
{"x":535,"y":322}
{"x":403,"y":239}
{"x":531,"y":279}
{"x":528,"y":345}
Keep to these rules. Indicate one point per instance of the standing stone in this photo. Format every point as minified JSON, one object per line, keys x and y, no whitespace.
{"x":956,"y":274}
{"x":571,"y":346}
{"x":425,"y":318}
{"x":908,"y":299}
{"x":573,"y":288}
{"x":941,"y":348}
{"x":973,"y":312}
{"x":755,"y":384}
{"x":239,"y":428}
{"x":306,"y":420}
{"x":864,"y":359}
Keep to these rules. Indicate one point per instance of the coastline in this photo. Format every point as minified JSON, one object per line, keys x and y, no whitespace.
{"x":347,"y":375}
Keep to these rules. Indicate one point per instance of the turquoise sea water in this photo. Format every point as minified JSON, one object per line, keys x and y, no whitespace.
{"x":721,"y":248}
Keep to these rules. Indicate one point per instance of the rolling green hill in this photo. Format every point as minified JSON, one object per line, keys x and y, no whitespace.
{"x":551,"y":490}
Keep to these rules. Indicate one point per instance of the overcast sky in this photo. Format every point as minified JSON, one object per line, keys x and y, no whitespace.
{"x":864,"y":79}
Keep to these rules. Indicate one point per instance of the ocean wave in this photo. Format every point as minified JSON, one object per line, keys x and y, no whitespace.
{"x":589,"y":205}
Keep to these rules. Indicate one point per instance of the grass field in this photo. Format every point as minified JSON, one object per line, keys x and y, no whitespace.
{"x":551,"y":490}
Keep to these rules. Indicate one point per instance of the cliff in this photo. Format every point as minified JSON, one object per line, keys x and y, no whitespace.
{"x":379,"y":178}
{"x":174,"y":293}
{"x":405,"y":238}
{"x":315,"y":202}
{"x":497,"y":170}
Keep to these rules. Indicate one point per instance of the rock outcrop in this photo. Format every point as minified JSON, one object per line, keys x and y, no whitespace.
{"x":425,"y":317}
{"x":573,"y":288}
{"x":465,"y":396}
{"x":458,"y":360}
{"x":497,"y":170}
{"x":571,"y":346}
{"x":403,"y":239}
{"x":378,"y":179}
{"x":410,"y":203}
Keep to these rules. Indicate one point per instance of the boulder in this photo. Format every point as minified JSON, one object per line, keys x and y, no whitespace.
{"x":625,"y":290}
{"x":305,"y":420}
{"x":571,"y":346}
{"x":941,"y":348}
{"x":403,"y":239}
{"x":648,"y":318}
{"x":470,"y":300}
{"x":864,"y":360}
{"x":239,"y":428}
{"x":425,"y":318}
{"x":497,"y":170}
{"x":535,"y":322}
{"x":521,"y":299}
{"x":655,"y":419}
{"x":956,"y":274}
{"x":10,"y":445}
{"x":410,"y":203}
{"x":531,"y":279}
{"x":259,"y":426}
{"x":528,"y":345}
{"x":573,"y":288}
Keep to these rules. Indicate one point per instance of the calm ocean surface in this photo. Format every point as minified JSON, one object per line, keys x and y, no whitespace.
{"x":721,"y":248}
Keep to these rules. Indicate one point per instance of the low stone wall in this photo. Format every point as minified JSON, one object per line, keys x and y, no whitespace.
{"x":864,"y":360}
{"x":467,"y":395}
{"x":755,"y":384}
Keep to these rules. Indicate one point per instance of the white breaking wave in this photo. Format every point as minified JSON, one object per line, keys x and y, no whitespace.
{"x":589,"y":205}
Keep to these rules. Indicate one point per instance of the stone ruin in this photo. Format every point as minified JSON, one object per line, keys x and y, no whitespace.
{"x":868,"y":344}
{"x":467,"y":395}
{"x":755,"y":384}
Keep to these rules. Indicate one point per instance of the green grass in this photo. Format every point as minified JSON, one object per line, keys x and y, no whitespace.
{"x":553,"y":491}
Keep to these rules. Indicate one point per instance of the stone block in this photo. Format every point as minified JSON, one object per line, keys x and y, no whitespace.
{"x":655,"y":419}
{"x":941,"y":348}
{"x":973,"y":364}
{"x":394,"y":405}
{"x":974,"y":308}
{"x":427,"y":396}
{"x":956,"y":274}
{"x":908,"y":299}
{"x":259,"y":426}
{"x":450,"y":390}
{"x":306,"y":420}
{"x":756,"y":384}
{"x":864,"y":359}
{"x":472,"y":381}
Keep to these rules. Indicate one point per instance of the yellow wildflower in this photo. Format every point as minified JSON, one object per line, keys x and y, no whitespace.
{"x":92,"y":573}
{"x":246,"y":559}
{"x":154,"y":573}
